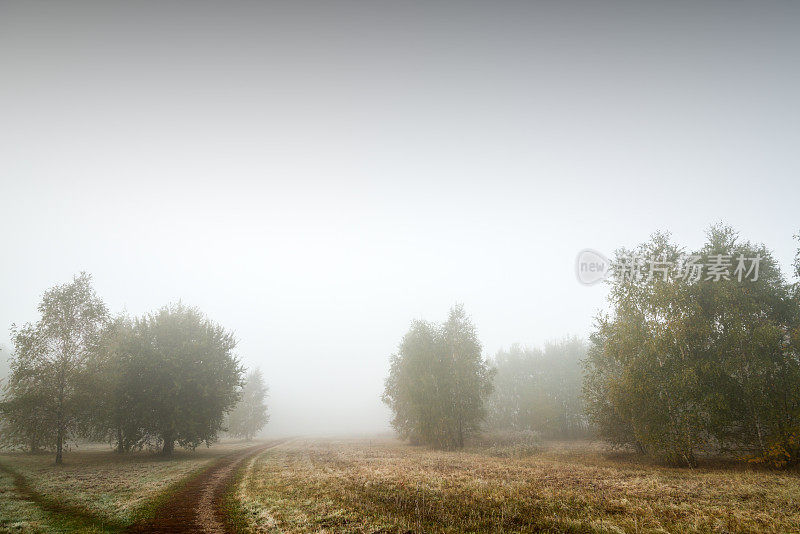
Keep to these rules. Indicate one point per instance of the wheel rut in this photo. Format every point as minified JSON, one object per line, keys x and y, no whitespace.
{"x":196,"y":507}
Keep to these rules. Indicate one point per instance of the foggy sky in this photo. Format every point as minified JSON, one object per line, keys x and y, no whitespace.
{"x":316,"y":175}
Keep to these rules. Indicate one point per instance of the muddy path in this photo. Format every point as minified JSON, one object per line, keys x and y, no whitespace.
{"x":196,"y":507}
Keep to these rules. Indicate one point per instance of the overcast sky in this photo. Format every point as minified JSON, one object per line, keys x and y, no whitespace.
{"x":314,"y":176}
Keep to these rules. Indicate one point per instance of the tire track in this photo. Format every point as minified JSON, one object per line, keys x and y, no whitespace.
{"x":195,"y":507}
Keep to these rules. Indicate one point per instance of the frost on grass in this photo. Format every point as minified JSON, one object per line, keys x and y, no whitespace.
{"x":16,"y":513}
{"x":105,"y":483}
{"x":352,"y":486}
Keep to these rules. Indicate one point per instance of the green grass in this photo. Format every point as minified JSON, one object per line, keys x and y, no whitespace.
{"x":96,"y":490}
{"x":351,"y":486}
{"x":16,"y":513}
{"x":235,"y":513}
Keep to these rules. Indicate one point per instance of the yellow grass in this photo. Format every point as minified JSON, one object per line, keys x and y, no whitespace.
{"x":386,"y":486}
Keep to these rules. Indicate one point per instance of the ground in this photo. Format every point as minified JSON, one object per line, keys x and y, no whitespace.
{"x":96,"y":490}
{"x":383,"y":485}
{"x":386,"y":486}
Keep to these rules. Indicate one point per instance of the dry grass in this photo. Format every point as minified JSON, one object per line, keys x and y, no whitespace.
{"x":96,"y":480}
{"x":358,"y":486}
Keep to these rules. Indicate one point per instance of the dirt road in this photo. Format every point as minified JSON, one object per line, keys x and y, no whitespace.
{"x":195,"y":508}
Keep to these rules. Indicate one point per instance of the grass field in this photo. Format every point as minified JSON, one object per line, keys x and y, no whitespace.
{"x":96,"y":490}
{"x":386,"y":486}
{"x":374,"y":486}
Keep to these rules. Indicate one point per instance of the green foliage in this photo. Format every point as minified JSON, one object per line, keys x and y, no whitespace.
{"x":117,"y":412}
{"x":684,"y":366}
{"x":797,"y":259}
{"x":184,"y":376}
{"x":250,"y":414}
{"x":438,"y":382}
{"x":539,"y":390}
{"x":169,"y":377}
{"x":44,"y":397}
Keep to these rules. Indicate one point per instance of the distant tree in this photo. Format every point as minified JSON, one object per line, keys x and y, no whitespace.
{"x":3,"y":366}
{"x":184,"y":375}
{"x":250,"y":414}
{"x":44,"y":400}
{"x":539,"y":390}
{"x":471,"y":377}
{"x":438,"y":382}
{"x":797,"y":261}
{"x":410,"y":389}
{"x":4,"y":431}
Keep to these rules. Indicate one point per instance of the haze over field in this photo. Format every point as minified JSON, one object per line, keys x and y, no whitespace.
{"x":314,"y":176}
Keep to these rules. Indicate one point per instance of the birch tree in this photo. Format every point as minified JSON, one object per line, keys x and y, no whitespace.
{"x":44,"y":391}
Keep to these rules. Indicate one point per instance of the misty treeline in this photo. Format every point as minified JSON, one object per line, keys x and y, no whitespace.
{"x":539,"y":390}
{"x":249,"y":415}
{"x":169,"y":377}
{"x":676,"y":368}
{"x":441,"y":391}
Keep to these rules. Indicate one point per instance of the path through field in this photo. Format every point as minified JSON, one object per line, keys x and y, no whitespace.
{"x":196,"y":507}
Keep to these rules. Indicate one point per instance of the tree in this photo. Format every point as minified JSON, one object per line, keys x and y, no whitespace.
{"x":26,"y":421}
{"x":250,"y":414}
{"x":438,"y":382}
{"x":3,"y":366}
{"x":44,"y":399}
{"x":753,"y":379}
{"x":682,"y":364}
{"x":410,"y":387}
{"x":471,"y":377}
{"x":797,"y":263}
{"x":116,"y":411}
{"x":184,"y":375}
{"x":539,"y":390}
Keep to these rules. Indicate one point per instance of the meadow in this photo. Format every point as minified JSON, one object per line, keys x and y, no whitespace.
{"x":96,"y":490}
{"x":387,"y":486}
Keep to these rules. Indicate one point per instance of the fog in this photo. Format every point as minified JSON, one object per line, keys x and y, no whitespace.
{"x":314,"y":176}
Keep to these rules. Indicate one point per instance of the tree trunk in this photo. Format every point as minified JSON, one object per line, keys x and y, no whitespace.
{"x":60,"y":415}
{"x":169,"y":445}
{"x":60,"y":446}
{"x":120,"y":441}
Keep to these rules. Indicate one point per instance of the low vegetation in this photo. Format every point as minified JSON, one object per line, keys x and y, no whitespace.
{"x":387,"y":486}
